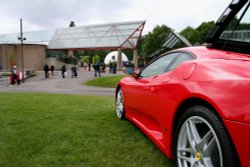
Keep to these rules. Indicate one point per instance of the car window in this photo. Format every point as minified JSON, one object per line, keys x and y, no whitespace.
{"x":159,"y":66}
{"x":182,"y":57}
{"x":239,"y":27}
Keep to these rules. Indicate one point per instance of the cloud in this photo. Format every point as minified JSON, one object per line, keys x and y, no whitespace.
{"x":51,"y":14}
{"x":176,"y":14}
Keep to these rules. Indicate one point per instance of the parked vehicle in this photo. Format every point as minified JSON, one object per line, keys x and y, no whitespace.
{"x":194,"y":102}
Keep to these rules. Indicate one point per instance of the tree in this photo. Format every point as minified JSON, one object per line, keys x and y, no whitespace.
{"x":95,"y":59}
{"x":128,"y":53}
{"x":192,"y":35}
{"x":204,"y":30}
{"x":139,"y":46}
{"x":243,"y":26}
{"x":85,"y":59}
{"x":154,"y":40}
{"x":79,"y":54}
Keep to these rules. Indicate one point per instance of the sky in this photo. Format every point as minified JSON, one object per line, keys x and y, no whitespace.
{"x":51,"y":14}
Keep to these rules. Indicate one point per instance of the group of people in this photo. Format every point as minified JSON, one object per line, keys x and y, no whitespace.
{"x":112,"y":67}
{"x":98,"y":69}
{"x":46,"y":70}
{"x":85,"y":65}
{"x":73,"y":71}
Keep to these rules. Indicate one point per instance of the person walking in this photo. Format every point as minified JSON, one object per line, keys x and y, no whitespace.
{"x":114,"y":67}
{"x":97,"y":69}
{"x":85,"y":64}
{"x":15,"y":76}
{"x":73,"y":72}
{"x":89,"y":65}
{"x":63,"y":70}
{"x":46,"y":69}
{"x":110,"y":67}
{"x":52,"y":68}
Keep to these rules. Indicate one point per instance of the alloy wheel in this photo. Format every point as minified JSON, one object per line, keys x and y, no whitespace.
{"x":198,"y":144}
{"x":120,"y":105}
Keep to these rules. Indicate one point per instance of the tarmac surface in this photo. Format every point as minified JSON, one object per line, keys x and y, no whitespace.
{"x":56,"y":84}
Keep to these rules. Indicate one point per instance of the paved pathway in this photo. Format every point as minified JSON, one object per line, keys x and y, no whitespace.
{"x":56,"y":84}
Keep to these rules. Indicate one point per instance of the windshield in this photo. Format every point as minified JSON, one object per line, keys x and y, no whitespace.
{"x":238,"y":29}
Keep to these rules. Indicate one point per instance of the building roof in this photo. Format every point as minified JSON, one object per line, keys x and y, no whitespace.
{"x":124,"y":35}
{"x":33,"y":37}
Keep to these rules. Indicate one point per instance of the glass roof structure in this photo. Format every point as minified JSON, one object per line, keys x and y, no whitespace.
{"x":33,"y":37}
{"x":123,"y":35}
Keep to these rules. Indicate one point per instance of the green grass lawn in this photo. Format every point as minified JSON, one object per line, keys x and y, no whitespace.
{"x":108,"y":81}
{"x":70,"y":130}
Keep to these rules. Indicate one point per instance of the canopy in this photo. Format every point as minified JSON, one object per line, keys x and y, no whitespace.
{"x":124,"y":35}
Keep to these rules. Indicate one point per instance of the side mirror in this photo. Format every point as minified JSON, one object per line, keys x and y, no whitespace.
{"x":130,"y":71}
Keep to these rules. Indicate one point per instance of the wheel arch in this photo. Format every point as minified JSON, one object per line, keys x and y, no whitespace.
{"x":182,"y":108}
{"x":116,"y":90}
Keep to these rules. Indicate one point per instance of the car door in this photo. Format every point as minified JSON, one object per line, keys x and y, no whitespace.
{"x":162,"y":92}
{"x":135,"y":94}
{"x":138,"y":95}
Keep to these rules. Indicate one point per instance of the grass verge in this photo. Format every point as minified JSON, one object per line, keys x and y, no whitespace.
{"x":108,"y":81}
{"x":70,"y":130}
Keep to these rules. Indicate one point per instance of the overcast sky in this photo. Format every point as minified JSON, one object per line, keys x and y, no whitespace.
{"x":52,"y":14}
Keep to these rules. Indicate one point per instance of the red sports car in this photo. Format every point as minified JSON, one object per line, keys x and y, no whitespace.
{"x":194,"y":102}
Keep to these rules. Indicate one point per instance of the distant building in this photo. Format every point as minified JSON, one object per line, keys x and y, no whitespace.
{"x":34,"y":56}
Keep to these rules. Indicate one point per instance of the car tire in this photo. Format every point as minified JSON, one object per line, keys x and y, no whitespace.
{"x":201,"y":140}
{"x":120,"y":112}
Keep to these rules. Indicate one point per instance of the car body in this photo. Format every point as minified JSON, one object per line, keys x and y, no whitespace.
{"x":194,"y":102}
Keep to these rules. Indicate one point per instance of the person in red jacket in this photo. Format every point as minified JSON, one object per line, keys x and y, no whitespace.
{"x":15,"y":77}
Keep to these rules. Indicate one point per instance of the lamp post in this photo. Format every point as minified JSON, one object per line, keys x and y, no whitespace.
{"x":21,"y":38}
